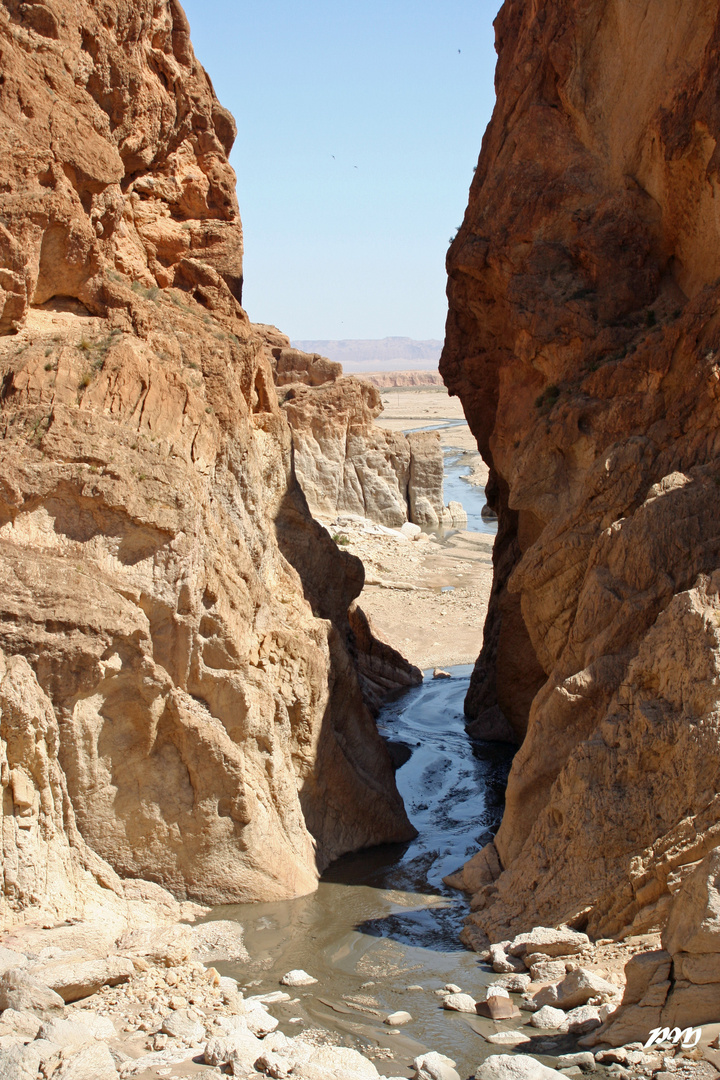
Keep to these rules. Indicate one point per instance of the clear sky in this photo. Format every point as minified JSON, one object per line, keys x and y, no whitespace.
{"x":359,"y":124}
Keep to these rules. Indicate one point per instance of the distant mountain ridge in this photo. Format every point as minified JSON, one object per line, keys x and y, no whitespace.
{"x":381,"y":354}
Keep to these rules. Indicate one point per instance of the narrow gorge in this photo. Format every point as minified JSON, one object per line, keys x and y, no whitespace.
{"x":209,"y":783}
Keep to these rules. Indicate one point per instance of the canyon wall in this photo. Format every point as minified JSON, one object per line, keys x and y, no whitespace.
{"x":182,"y":627}
{"x":584,"y":341}
{"x":345,"y":463}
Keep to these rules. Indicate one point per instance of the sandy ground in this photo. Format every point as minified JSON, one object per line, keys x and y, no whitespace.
{"x":426,"y":597}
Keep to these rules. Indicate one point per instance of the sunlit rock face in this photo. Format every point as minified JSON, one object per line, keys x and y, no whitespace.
{"x":183,"y":620}
{"x":583,"y":339}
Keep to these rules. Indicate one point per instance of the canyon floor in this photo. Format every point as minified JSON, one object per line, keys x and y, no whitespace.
{"x":428,"y":596}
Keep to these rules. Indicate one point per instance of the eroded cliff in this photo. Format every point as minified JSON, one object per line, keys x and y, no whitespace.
{"x":583,"y":339}
{"x":185,"y":619}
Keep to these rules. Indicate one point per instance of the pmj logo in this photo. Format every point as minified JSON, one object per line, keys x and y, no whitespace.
{"x":688,"y":1038}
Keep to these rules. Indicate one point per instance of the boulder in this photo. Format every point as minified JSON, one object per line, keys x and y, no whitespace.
{"x":516,"y":983}
{"x":549,"y":941}
{"x":26,"y":993}
{"x":547,"y":970}
{"x":459,"y":1003}
{"x":74,"y":981}
{"x":515,"y":1067}
{"x":92,"y":1062}
{"x":241,"y":1046}
{"x":297,"y":977}
{"x":434,"y":1066}
{"x":502,"y":962}
{"x":576,"y":989}
{"x":548,"y":1019}
{"x":168,"y":945}
{"x":397,"y":1019}
{"x":180,"y":1025}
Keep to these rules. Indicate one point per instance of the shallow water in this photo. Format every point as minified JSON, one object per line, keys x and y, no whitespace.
{"x":383,"y":920}
{"x":472,"y":496}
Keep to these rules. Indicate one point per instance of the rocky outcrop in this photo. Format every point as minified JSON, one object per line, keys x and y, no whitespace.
{"x":344,"y":462}
{"x":677,"y":986}
{"x":583,"y":340}
{"x":387,"y":380}
{"x":160,"y":570}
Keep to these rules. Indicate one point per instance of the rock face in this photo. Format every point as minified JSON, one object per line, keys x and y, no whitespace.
{"x":678,"y":985}
{"x":344,"y":462}
{"x":583,"y":340}
{"x":179,"y":679}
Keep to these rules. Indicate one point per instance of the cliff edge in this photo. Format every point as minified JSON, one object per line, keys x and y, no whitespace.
{"x":184,"y":622}
{"x":583,"y":339}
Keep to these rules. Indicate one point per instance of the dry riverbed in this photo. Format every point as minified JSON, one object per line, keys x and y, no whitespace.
{"x":426,"y":596}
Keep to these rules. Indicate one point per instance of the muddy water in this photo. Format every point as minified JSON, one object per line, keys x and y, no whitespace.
{"x":382,"y":920}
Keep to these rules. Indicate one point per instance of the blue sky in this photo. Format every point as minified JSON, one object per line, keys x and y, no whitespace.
{"x":359,"y":125}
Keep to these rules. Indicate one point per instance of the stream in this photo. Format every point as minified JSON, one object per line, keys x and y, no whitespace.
{"x":382,"y":921}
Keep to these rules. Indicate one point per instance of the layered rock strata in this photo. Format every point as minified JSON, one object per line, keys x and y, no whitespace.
{"x":345,"y":463}
{"x":677,"y":986}
{"x":583,"y":339}
{"x":179,"y":619}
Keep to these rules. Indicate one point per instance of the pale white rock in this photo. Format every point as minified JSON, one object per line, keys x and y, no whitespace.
{"x":102,"y":1027}
{"x":508,"y":1038}
{"x":439,"y":673}
{"x":458,"y":514}
{"x":578,"y":987}
{"x":20,"y":1062}
{"x":11,"y":959}
{"x":22,"y":991}
{"x":515,"y":1067}
{"x":548,"y":1019}
{"x":91,"y":1062}
{"x":496,"y":990}
{"x":74,"y":981}
{"x":243,"y":1046}
{"x":410,"y":529}
{"x":180,"y":1025}
{"x":21,"y":1022}
{"x":168,"y":945}
{"x":297,"y":977}
{"x":516,"y":983}
{"x":397,"y":1019}
{"x":66,"y":1032}
{"x":453,"y":988}
{"x":459,"y":1003}
{"x":547,"y":970}
{"x":503,"y":963}
{"x":583,"y":1019}
{"x":434,"y":1066}
{"x":258,"y":1019}
{"x":550,"y":941}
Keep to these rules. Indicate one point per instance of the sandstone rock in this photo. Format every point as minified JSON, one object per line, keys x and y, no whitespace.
{"x":161,"y":945}
{"x":438,"y":673}
{"x":600,"y":646}
{"x":694,"y":922}
{"x":66,"y":1032}
{"x":459,"y":1003}
{"x":516,"y":984}
{"x":508,"y":1038}
{"x":25,"y":993}
{"x":548,"y":1019}
{"x":399,"y":1018}
{"x":434,"y":1066}
{"x":26,"y":1024}
{"x":297,"y":977}
{"x":158,"y":563}
{"x":482,"y":869}
{"x":73,"y":981}
{"x":549,"y":941}
{"x":585,"y":1060}
{"x":92,"y":1062}
{"x":504,"y":963}
{"x":514,"y":1067}
{"x":20,"y":1062}
{"x":11,"y":959}
{"x":547,"y":970}
{"x":180,"y":1025}
{"x":577,"y":988}
{"x":242,"y":1046}
{"x":582,"y":1019}
{"x":497,"y":1004}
